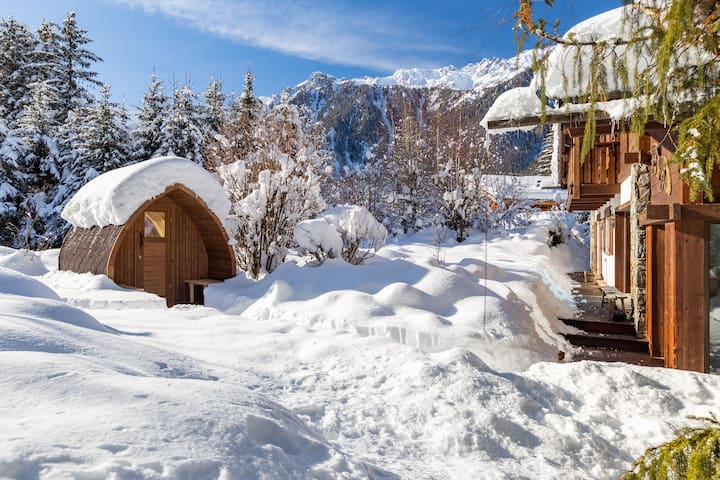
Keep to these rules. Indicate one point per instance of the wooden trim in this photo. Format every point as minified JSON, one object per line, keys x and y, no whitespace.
{"x":637,"y":157}
{"x":687,"y":295}
{"x":624,"y":208}
{"x":655,"y":214}
{"x":603,"y":129}
{"x":599,"y":190}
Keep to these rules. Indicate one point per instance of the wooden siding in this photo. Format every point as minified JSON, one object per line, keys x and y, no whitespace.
{"x":126,"y":266}
{"x":88,"y":249}
{"x":656,"y":291}
{"x":688,"y":328}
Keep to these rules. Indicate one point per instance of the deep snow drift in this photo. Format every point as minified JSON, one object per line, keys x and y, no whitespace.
{"x":410,"y":366}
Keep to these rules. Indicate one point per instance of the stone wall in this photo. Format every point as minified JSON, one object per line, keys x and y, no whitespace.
{"x":639,"y":199}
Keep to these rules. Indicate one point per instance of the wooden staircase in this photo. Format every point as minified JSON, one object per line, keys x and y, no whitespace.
{"x":601,"y":338}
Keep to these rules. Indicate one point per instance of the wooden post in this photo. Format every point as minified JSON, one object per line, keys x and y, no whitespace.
{"x":686,"y":302}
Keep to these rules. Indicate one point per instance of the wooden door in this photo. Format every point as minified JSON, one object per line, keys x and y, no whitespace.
{"x":155,"y":252}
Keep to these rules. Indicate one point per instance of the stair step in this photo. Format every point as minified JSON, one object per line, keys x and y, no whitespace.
{"x":592,"y":326}
{"x":629,"y":343}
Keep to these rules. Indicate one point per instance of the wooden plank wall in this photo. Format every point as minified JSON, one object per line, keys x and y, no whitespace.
{"x":686,"y":297}
{"x":127,"y":268}
{"x":88,"y":249}
{"x":185,"y":255}
{"x":656,"y":292}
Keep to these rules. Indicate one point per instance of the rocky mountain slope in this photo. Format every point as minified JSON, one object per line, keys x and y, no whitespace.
{"x":359,"y":115}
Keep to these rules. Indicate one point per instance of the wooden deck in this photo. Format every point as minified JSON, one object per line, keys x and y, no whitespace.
{"x":603,"y":339}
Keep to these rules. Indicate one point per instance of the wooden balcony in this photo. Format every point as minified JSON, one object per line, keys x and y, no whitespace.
{"x":592,"y":182}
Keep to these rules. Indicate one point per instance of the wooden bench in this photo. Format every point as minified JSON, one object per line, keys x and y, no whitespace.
{"x":199,"y":282}
{"x":612,"y":294}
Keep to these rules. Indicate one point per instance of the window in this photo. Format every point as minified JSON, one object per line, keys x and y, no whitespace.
{"x":154,"y":224}
{"x":714,"y":296}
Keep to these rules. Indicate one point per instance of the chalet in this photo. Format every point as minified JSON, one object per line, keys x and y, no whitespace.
{"x":155,"y":225}
{"x":649,"y":240}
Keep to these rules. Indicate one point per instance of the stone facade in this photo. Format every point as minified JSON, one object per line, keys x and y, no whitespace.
{"x":639,"y":199}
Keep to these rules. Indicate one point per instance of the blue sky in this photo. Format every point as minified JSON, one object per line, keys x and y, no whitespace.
{"x":283,"y":41}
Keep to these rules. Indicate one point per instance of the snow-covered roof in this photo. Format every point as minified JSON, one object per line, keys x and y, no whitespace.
{"x":112,"y":198}
{"x":563,"y":61}
{"x":524,"y":103}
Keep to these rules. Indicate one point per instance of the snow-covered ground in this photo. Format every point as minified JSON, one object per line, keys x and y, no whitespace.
{"x":410,"y":366}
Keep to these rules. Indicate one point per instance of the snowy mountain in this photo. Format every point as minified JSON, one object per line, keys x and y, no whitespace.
{"x":476,"y":77}
{"x":359,"y":114}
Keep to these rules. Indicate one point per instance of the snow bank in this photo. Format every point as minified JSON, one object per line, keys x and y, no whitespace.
{"x":23,"y":261}
{"x":113,"y":197}
{"x":342,"y":227}
{"x":423,"y":303}
{"x":15,"y":283}
{"x":79,"y":402}
{"x":405,"y":367}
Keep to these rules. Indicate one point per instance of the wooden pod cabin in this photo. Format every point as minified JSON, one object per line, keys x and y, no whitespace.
{"x":171,"y":244}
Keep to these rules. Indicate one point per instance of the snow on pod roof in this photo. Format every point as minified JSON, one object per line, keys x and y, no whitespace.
{"x":112,"y":198}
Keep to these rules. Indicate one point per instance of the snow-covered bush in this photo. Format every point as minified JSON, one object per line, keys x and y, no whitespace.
{"x":343,"y":230}
{"x":461,"y":197}
{"x":504,"y":204}
{"x":273,"y":188}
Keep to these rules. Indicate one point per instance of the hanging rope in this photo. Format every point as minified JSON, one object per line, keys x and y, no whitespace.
{"x":485,"y":279}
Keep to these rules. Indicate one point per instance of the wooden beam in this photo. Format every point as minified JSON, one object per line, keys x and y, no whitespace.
{"x":637,"y":157}
{"x":602,"y":190}
{"x":603,"y":129}
{"x":550,"y":118}
{"x":688,"y":312}
{"x":707,"y":212}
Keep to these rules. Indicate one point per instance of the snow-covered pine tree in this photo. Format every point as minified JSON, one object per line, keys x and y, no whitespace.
{"x":17,"y":72}
{"x":236,"y":138}
{"x":103,"y":141}
{"x":410,"y":186}
{"x":75,"y":73}
{"x":37,"y":171}
{"x":273,"y":188}
{"x":46,"y":61}
{"x":212,"y":111}
{"x":12,"y":152}
{"x":154,"y":111}
{"x":182,"y":132}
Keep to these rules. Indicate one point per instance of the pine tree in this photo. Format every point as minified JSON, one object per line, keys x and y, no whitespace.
{"x":236,"y":138}
{"x":12,"y":152}
{"x":213,"y":109}
{"x":182,"y":133}
{"x":76,"y":74}
{"x":148,"y":137}
{"x":46,"y":60}
{"x":103,"y":142}
{"x":17,"y":45}
{"x":409,"y":176}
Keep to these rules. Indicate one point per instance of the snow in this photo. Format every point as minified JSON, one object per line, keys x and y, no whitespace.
{"x":524,"y":103}
{"x":475,"y":76}
{"x":403,"y":367}
{"x":531,"y":187}
{"x":340,"y":226}
{"x":113,"y":197}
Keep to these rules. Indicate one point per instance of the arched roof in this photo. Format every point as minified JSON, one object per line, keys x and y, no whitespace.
{"x":113,"y":197}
